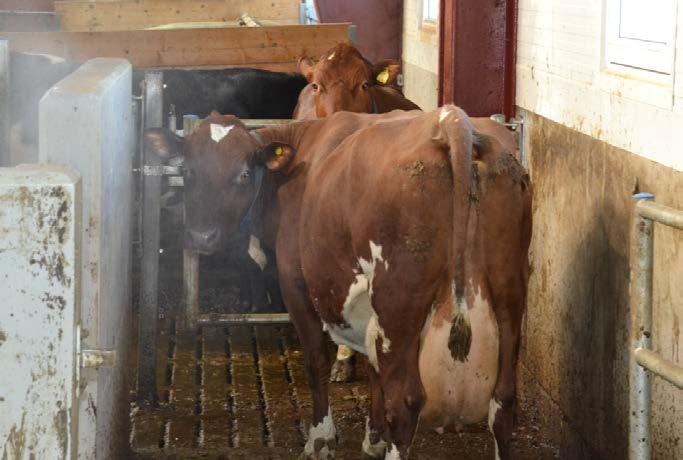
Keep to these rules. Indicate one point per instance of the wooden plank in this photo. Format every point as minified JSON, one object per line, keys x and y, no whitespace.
{"x":248,"y":419}
{"x":216,"y":391}
{"x":245,"y":46}
{"x":184,"y":391}
{"x":127,"y":15}
{"x":28,"y":21}
{"x":283,"y":413}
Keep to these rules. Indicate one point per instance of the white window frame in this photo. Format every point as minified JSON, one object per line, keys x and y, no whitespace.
{"x":425,"y":12}
{"x":640,"y":55}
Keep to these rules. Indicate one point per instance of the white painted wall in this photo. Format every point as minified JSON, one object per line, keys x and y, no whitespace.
{"x":420,"y":57}
{"x":561,"y":76}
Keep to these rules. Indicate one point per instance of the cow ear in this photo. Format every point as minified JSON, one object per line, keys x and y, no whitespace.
{"x":163,"y":142}
{"x":275,"y":156}
{"x":305,"y":66}
{"x":386,"y":72}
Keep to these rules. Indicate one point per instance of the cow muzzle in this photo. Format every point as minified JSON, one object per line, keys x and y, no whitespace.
{"x":203,"y":241}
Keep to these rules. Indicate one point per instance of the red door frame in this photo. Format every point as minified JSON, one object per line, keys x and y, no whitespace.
{"x":477,"y":55}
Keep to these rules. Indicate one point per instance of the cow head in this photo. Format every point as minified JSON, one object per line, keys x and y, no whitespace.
{"x":344,"y":80}
{"x":223,"y":169}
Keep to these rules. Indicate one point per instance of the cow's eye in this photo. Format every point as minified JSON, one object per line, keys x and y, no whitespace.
{"x":315,"y":86}
{"x":365,"y":85}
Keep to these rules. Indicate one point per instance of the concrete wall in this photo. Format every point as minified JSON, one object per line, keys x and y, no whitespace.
{"x":39,"y":240}
{"x":86,"y":123}
{"x":420,"y":57}
{"x":594,"y":136}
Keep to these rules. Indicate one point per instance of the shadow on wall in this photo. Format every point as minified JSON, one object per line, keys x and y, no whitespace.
{"x":576,"y":336}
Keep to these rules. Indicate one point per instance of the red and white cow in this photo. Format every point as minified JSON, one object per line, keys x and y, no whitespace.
{"x":403,"y":235}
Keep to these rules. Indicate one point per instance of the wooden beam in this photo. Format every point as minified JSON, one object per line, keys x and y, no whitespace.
{"x":276,"y":47}
{"x":78,"y":16}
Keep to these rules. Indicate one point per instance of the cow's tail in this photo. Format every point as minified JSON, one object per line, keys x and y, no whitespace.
{"x":456,"y":132}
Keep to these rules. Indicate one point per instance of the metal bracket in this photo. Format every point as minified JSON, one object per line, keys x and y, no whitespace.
{"x":516,"y":125}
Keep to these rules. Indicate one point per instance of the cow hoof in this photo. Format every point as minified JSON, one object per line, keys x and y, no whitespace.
{"x":343,"y":371}
{"x":323,"y":449}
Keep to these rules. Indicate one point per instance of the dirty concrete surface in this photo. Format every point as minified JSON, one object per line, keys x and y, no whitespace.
{"x":240,"y":392}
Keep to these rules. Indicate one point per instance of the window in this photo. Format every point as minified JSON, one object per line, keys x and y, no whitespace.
{"x":430,"y":11}
{"x":640,"y":34}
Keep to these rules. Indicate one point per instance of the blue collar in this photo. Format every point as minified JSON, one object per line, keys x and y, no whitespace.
{"x":374,"y":103}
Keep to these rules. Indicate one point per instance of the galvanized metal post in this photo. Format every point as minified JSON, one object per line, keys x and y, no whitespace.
{"x":190,"y":258}
{"x":641,"y":332}
{"x":4,"y":104}
{"x":149,"y":283}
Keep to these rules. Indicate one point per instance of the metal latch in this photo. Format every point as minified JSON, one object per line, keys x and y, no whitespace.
{"x":98,"y":358}
{"x":93,"y":359}
{"x":161,"y":170}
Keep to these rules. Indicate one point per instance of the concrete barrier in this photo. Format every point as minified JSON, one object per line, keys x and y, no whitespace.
{"x":86,"y":123}
{"x":39,"y":282}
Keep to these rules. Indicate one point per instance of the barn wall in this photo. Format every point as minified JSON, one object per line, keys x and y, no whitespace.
{"x":593,"y":138}
{"x":420,"y":57}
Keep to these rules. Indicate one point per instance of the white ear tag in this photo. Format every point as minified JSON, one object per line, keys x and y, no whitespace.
{"x":218,"y":132}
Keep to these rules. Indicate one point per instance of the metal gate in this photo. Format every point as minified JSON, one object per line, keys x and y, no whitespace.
{"x":643,"y":360}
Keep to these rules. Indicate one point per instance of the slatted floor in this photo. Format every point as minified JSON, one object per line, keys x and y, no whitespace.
{"x":241,"y":392}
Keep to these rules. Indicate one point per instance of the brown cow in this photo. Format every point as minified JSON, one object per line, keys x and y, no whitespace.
{"x":404,"y":235}
{"x":336,"y":83}
{"x":343,"y":80}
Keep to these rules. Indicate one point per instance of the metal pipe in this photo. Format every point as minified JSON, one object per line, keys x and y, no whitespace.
{"x":641,"y":332}
{"x":660,"y":213}
{"x":191,"y":287}
{"x":149,"y":282}
{"x":242,"y":318}
{"x":664,"y":368}
{"x":4,"y":104}
{"x":254,"y":123}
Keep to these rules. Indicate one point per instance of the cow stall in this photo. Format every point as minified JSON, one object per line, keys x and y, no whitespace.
{"x":237,"y":391}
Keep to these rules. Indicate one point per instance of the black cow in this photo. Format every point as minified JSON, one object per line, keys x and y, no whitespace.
{"x":248,"y":93}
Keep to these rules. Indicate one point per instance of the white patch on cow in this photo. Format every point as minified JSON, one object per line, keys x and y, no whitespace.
{"x":256,"y":252}
{"x":459,"y":392}
{"x":323,"y":430}
{"x":375,"y":331}
{"x":373,"y":450}
{"x":362,"y":328}
{"x":344,"y":353}
{"x":494,"y":407}
{"x":444,"y":113}
{"x":218,"y":132}
{"x":51,"y":57}
{"x":331,"y":56}
{"x":393,"y":453}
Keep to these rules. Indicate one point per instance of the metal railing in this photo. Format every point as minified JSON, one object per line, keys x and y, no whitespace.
{"x":643,"y":360}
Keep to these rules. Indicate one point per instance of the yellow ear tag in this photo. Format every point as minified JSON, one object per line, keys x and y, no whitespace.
{"x":278,"y":151}
{"x":383,"y":76}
